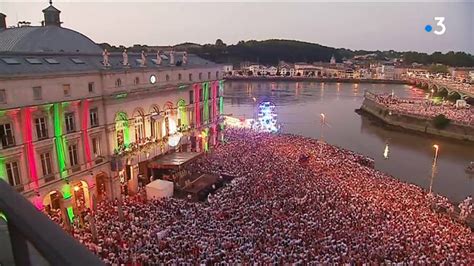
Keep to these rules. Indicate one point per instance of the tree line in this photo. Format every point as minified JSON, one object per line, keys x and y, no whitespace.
{"x":274,"y":51}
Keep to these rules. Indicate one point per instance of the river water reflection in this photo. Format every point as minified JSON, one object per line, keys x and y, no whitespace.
{"x":404,"y":155}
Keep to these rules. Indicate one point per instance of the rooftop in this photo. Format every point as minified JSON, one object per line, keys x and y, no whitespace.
{"x":52,"y":49}
{"x":49,"y":39}
{"x":54,"y":63}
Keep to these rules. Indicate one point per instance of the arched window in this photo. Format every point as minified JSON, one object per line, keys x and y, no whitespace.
{"x":167,"y":77}
{"x":155,"y":122}
{"x":217,"y":74}
{"x":182,"y":115}
{"x":118,"y":83}
{"x":179,"y":76}
{"x":122,"y":129}
{"x":136,"y":81}
{"x":139,"y":129}
{"x":200,"y":76}
{"x":169,"y":126}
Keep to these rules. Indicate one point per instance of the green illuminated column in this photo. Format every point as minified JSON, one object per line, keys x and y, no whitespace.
{"x":66,"y":190}
{"x":221,"y":101}
{"x":205,"y":139}
{"x":126,"y":134}
{"x":59,"y":141}
{"x":221,"y":97}
{"x":206,"y":101}
{"x":3,"y":171}
{"x":70,"y":214}
{"x":182,"y":112}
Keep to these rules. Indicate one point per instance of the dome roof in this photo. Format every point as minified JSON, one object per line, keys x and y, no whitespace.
{"x":48,"y":39}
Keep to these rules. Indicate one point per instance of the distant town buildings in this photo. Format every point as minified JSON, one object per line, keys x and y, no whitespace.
{"x":228,"y":69}
{"x":461,"y":73}
{"x":385,"y":71}
{"x":360,"y":67}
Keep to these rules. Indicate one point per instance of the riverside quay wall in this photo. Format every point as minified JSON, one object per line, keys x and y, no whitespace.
{"x":416,"y":123}
{"x":314,"y":79}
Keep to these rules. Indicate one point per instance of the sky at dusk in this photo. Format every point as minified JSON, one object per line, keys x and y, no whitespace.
{"x":354,"y":25}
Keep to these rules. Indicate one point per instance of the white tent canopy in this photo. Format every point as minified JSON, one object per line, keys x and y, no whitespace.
{"x":159,"y":189}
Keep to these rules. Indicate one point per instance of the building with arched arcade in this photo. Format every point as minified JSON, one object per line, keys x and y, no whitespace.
{"x":78,"y":123}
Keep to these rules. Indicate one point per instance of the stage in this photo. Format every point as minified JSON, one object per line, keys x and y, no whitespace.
{"x":200,"y":187}
{"x":174,"y":160}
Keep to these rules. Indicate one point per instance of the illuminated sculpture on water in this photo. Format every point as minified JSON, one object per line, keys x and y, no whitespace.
{"x":266,"y":118}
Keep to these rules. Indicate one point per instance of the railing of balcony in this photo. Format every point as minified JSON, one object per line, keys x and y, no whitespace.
{"x":35,"y":239}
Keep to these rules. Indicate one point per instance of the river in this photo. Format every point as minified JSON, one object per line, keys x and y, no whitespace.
{"x":405,"y":155}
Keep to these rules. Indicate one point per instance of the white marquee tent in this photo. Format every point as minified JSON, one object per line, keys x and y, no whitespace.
{"x":159,"y":189}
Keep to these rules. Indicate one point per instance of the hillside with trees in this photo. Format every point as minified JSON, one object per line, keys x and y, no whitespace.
{"x":273,"y":51}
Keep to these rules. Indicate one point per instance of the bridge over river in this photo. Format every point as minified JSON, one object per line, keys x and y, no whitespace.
{"x":464,"y":90}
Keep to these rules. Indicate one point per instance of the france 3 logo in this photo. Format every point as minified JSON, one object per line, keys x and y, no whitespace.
{"x":440,"y":25}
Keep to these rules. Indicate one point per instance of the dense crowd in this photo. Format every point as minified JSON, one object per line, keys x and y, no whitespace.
{"x":327,"y":209}
{"x":426,"y":108}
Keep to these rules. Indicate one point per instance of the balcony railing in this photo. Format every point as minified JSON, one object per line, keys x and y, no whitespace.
{"x":34,"y":239}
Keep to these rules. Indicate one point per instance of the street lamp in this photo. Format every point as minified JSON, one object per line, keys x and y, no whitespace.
{"x":254,"y":108}
{"x":436,"y":147}
{"x":433,"y":167}
{"x":323,"y":120}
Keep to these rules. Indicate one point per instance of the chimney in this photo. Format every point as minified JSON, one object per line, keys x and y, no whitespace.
{"x":3,"y":21}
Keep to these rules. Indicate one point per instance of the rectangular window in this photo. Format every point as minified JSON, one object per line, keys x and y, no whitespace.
{"x":51,"y":61}
{"x":191,"y":96}
{"x":208,"y":75}
{"x":37,"y":93}
{"x":46,"y":163}
{"x":179,"y":76}
{"x":73,"y":161}
{"x":69,"y":119}
{"x":34,"y":61}
{"x":190,"y":77}
{"x":200,"y":95}
{"x":96,"y":146}
{"x":41,"y":128}
{"x":94,"y":117}
{"x":77,"y":61}
{"x":11,"y":61}
{"x":6,"y":135}
{"x":67,"y":90}
{"x":200,"y":76}
{"x":13,"y":173}
{"x":3,"y":96}
{"x":91,"y":87}
{"x":153,"y":128}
